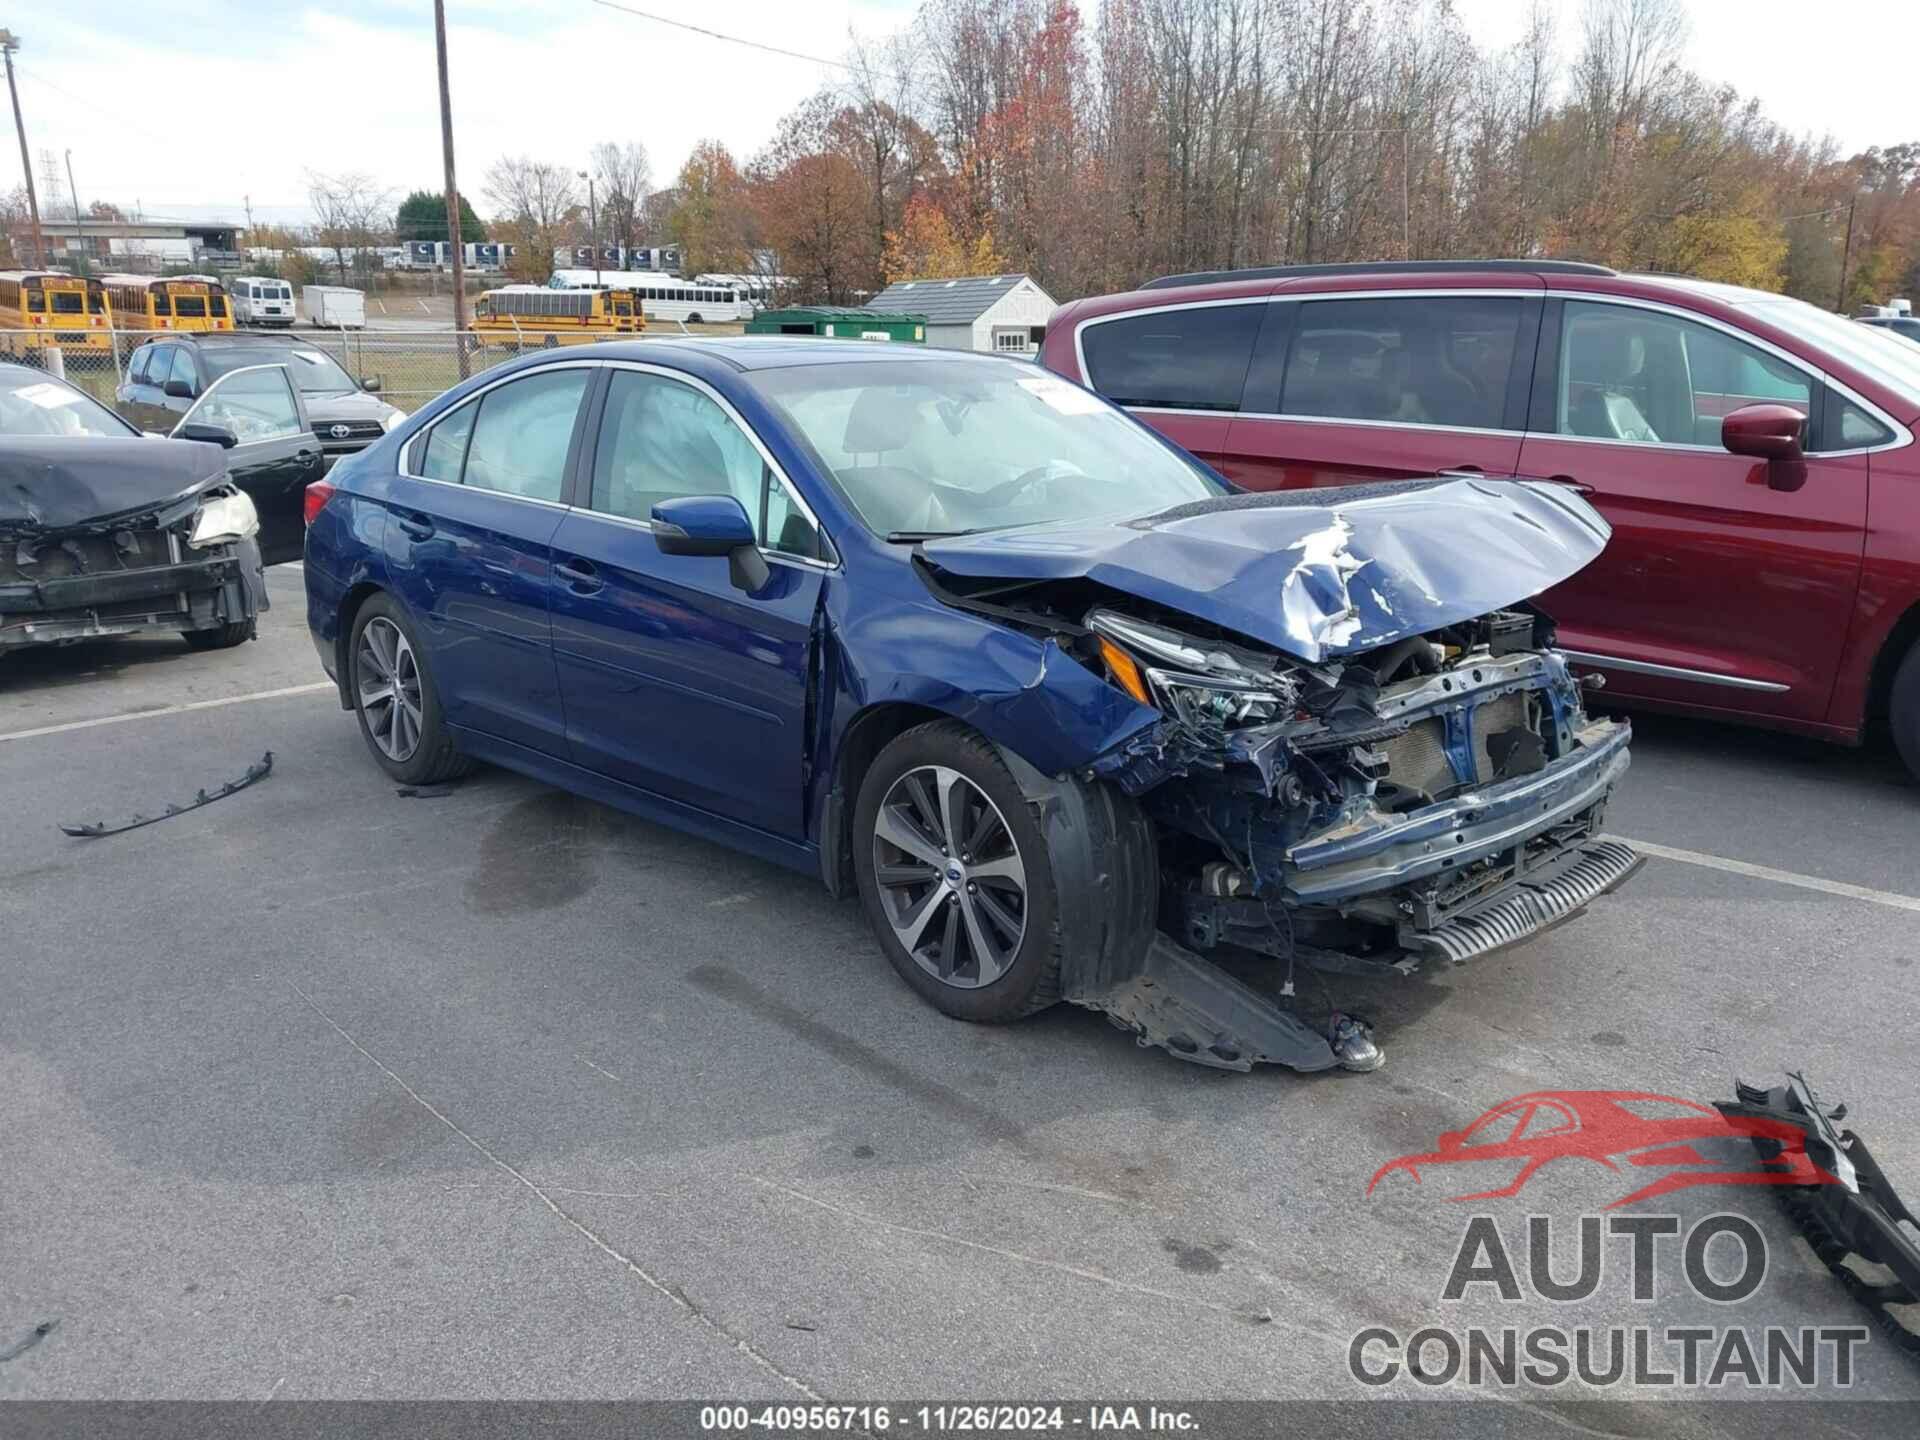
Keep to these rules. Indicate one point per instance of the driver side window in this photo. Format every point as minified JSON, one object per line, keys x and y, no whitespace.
{"x":255,"y":404}
{"x":1646,"y":377}
{"x":663,"y":440}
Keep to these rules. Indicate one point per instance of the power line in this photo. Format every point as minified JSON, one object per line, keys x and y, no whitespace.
{"x":729,"y":39}
{"x":82,"y":99}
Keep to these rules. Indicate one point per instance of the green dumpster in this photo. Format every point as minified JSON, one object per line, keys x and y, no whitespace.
{"x":841,"y":322}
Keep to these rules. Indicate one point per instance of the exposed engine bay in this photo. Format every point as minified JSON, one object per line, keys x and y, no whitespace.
{"x":108,"y":537}
{"x":1332,"y":804}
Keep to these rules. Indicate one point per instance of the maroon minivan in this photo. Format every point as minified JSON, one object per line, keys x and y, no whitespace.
{"x":1754,"y":455}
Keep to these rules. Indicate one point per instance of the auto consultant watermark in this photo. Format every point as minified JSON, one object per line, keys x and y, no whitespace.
{"x":1657,"y":1144}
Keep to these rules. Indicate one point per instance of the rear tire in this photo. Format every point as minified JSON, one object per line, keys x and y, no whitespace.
{"x":978,"y":934}
{"x":1903,"y":710}
{"x":223,"y":637}
{"x":395,"y":699}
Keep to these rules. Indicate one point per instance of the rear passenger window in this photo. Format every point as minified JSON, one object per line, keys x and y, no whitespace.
{"x":522,"y":434}
{"x":1414,"y":360}
{"x":1192,"y":359}
{"x":446,"y":446}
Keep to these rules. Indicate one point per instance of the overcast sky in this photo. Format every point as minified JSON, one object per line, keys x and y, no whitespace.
{"x":190,"y":106}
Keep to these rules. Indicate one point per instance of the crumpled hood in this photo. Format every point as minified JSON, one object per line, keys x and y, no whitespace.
{"x":56,"y":483}
{"x":1315,"y":573}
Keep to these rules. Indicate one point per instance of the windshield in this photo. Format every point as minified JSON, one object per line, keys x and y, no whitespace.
{"x":314,"y":371}
{"x":1874,"y":352}
{"x":934,"y":447}
{"x":35,"y":405}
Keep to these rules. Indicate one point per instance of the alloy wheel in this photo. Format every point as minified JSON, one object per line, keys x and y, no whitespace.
{"x":388,"y":678}
{"x":950,"y":877}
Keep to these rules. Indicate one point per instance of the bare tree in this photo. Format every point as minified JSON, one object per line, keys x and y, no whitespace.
{"x":538,"y":202}
{"x":352,"y":215}
{"x":625,"y":178}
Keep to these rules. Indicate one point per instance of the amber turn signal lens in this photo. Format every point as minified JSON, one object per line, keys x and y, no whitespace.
{"x":1125,"y":673}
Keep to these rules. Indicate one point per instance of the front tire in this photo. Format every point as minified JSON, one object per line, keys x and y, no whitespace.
{"x":1903,"y":710}
{"x":955,"y":878}
{"x":395,"y":699}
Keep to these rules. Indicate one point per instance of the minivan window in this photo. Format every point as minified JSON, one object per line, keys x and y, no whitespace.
{"x":1189,"y":359}
{"x":1409,"y":359}
{"x":1648,"y":377}
{"x":521,"y":436}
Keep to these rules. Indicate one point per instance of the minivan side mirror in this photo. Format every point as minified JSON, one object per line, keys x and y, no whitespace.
{"x":178,"y":389}
{"x":712,"y":525}
{"x":1770,"y":433}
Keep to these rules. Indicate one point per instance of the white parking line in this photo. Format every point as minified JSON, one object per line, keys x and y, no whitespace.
{"x":314,"y":688}
{"x":1778,"y":877}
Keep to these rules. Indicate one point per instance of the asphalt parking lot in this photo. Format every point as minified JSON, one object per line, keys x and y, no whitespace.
{"x":326,"y":1091}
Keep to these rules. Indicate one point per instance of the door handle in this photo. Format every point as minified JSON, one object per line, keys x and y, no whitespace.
{"x":582,"y":577}
{"x":417,"y":527}
{"x":1578,"y":487}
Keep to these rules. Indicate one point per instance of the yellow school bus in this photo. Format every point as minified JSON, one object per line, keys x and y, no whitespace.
{"x":537,"y":315}
{"x":177,"y":302}
{"x":41,"y":307}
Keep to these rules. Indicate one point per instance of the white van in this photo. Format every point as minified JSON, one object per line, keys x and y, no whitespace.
{"x":261,"y":300}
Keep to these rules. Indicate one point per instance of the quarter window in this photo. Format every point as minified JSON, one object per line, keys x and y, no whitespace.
{"x":1415,"y":360}
{"x":1652,"y":378}
{"x":661,"y":440}
{"x":137,"y":371}
{"x":1192,"y":359}
{"x":446,"y":446}
{"x":522,"y":434}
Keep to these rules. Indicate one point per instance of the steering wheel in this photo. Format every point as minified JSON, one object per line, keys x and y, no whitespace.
{"x":1004,"y":492}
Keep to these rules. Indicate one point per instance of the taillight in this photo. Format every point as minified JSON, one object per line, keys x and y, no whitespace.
{"x":317,"y":496}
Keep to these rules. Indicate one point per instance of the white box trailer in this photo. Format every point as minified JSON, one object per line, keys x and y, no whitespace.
{"x":334,"y":307}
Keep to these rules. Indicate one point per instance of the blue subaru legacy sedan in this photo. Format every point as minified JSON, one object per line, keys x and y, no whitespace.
{"x":1073,"y":718}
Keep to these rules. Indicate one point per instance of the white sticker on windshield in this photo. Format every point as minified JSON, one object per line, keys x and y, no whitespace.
{"x":1067,"y":399}
{"x":46,"y":396}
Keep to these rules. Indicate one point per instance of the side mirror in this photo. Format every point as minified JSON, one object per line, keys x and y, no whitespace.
{"x":712,"y":525}
{"x":178,"y":389}
{"x":207,"y":434}
{"x":372,"y":384}
{"x":1770,"y":433}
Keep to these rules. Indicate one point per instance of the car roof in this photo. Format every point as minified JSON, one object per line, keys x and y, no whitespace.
{"x":770,"y":352}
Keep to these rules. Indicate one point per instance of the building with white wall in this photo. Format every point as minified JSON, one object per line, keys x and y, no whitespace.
{"x":1003,"y":314}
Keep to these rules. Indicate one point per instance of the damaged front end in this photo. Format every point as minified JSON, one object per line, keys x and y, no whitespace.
{"x":101,"y":538}
{"x":1374,"y":780}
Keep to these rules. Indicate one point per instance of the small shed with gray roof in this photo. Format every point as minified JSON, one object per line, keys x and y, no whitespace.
{"x":1006,"y":314}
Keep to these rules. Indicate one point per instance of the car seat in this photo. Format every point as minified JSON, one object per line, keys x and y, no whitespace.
{"x":1603,"y":363}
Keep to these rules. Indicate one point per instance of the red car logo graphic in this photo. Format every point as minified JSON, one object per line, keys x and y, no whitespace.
{"x":1617,"y":1128}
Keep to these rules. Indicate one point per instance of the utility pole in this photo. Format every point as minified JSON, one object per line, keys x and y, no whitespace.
{"x":9,"y":42}
{"x":79,"y":220}
{"x":1840,"y":300}
{"x":453,"y":192}
{"x":593,"y":228}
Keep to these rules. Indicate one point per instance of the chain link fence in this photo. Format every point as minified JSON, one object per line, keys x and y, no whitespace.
{"x":408,"y":367}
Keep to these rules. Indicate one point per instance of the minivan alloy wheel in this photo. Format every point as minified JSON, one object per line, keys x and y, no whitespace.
{"x":950,"y":877}
{"x":388,"y":680}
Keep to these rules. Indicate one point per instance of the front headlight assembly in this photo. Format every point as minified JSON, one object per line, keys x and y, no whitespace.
{"x":392,"y":419}
{"x":1192,"y":679}
{"x":223,"y":519}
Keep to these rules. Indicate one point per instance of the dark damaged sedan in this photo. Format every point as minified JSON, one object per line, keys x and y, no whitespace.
{"x":1076,"y":720}
{"x":103,"y":532}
